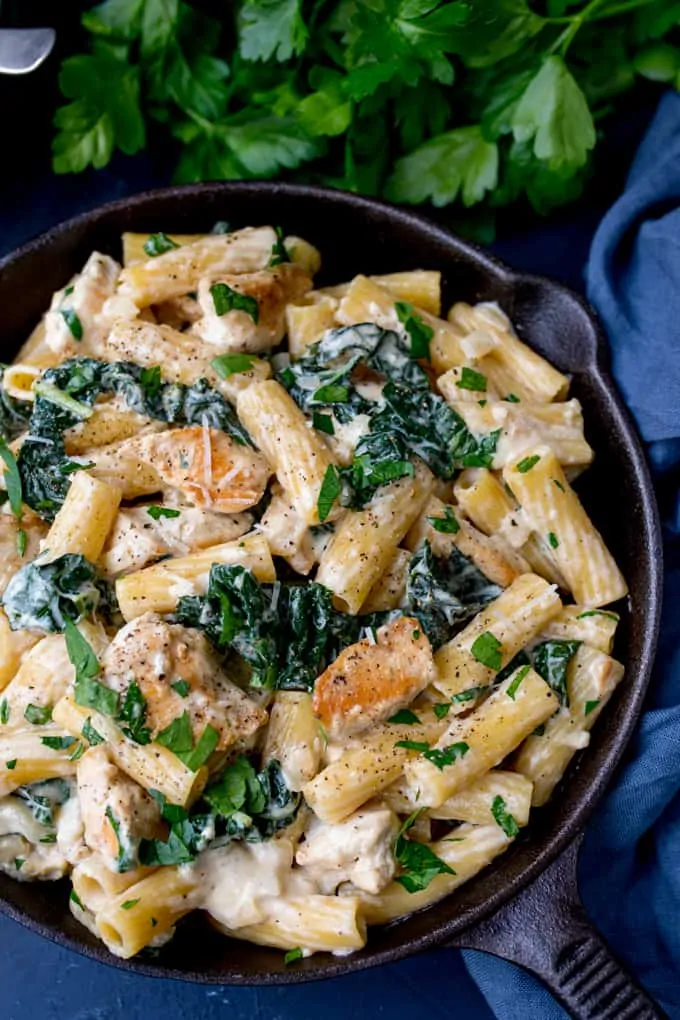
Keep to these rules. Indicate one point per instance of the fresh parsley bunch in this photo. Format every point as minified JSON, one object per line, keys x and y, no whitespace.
{"x":476,"y":101}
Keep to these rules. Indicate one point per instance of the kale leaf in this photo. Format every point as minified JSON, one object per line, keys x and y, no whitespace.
{"x":43,"y":465}
{"x":43,"y":596}
{"x":445,"y":593}
{"x":241,"y":804}
{"x":287,"y":633}
{"x":14,"y":414}
{"x":551,"y":661}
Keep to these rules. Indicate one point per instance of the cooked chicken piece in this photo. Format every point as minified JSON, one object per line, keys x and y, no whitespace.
{"x":183,"y":357}
{"x":75,"y":309}
{"x":237,"y":330}
{"x":178,"y":312}
{"x":287,"y":533}
{"x":369,"y":682}
{"x":357,"y":850}
{"x":117,"y":813}
{"x":137,"y":538}
{"x":210,"y":468}
{"x":157,"y":655}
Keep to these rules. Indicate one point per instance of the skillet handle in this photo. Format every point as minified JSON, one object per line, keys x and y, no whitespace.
{"x":546,"y":930}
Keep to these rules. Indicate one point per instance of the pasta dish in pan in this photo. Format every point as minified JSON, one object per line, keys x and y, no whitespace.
{"x":301,"y":615}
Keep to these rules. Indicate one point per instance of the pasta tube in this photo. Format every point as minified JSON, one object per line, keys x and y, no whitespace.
{"x":151,"y":765}
{"x":478,"y":742}
{"x":512,"y":620}
{"x":146,"y":911}
{"x":315,"y":924}
{"x":591,"y":681}
{"x":84,"y":519}
{"x":555,"y":511}
{"x":297,"y":453}
{"x":158,"y":588}
{"x":365,"y":541}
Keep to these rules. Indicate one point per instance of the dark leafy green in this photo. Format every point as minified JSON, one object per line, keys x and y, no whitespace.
{"x":242,"y":804}
{"x":445,"y":593}
{"x":42,"y":797}
{"x":43,"y":465}
{"x":14,"y":414}
{"x":551,"y":661}
{"x":287,"y":633}
{"x":43,"y":596}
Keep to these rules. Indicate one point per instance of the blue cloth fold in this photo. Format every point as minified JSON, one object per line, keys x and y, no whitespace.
{"x":633,"y":279}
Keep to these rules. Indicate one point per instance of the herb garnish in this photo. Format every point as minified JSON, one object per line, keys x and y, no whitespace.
{"x":405,"y":716}
{"x":38,"y":715}
{"x":331,"y":487}
{"x":446,"y":525}
{"x":419,"y":863}
{"x":226,"y":299}
{"x":503,"y":817}
{"x":527,"y":463}
{"x":487,"y":649}
{"x":419,"y":332}
{"x":158,"y":244}
{"x":156,"y":512}
{"x":232,"y":364}
{"x":471,"y":380}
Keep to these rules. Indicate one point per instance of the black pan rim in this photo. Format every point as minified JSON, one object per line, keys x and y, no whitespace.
{"x":327,"y":966}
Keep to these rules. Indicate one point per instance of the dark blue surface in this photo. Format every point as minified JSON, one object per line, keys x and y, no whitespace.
{"x":39,"y":980}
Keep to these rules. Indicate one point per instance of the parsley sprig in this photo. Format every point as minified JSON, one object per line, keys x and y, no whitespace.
{"x":480,"y":103}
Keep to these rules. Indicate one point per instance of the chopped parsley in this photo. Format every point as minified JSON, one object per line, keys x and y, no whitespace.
{"x":333,"y":393}
{"x":38,"y":715}
{"x":51,"y":837}
{"x":487,"y":649}
{"x":75,"y":326}
{"x":178,"y":737}
{"x":419,"y":863}
{"x":19,"y":862}
{"x":446,"y":525}
{"x":12,"y":480}
{"x":471,"y":380}
{"x":405,"y":716}
{"x":527,"y":464}
{"x":323,"y":422}
{"x":441,"y":709}
{"x":87,"y":690}
{"x":598,"y":612}
{"x":231,"y":364}
{"x":539,"y":731}
{"x":469,"y":694}
{"x":413,"y":745}
{"x":58,"y":743}
{"x":590,"y":706}
{"x":441,"y":757}
{"x":292,"y":955}
{"x":158,"y":244}
{"x":181,"y":687}
{"x":225,"y":299}
{"x":503,"y":817}
{"x":331,"y":488}
{"x":77,"y":752}
{"x":132,"y":715}
{"x":4,"y":711}
{"x":419,"y":332}
{"x":124,"y":858}
{"x":129,"y":904}
{"x":11,"y":764}
{"x":75,"y":898}
{"x":553,"y":540}
{"x":156,"y":512}
{"x":558,"y":484}
{"x":519,"y":676}
{"x":279,"y":253}
{"x":511,"y":399}
{"x":90,"y":733}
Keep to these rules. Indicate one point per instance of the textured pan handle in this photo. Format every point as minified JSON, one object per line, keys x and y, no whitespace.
{"x":546,"y":930}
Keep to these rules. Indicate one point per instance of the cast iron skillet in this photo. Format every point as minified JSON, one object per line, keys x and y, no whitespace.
{"x":525,"y":906}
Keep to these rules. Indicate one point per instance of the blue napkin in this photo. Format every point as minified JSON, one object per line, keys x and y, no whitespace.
{"x":633,"y":278}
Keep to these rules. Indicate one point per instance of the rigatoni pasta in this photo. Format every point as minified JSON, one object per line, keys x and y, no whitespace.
{"x":301,"y":615}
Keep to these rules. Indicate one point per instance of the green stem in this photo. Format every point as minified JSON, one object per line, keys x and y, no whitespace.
{"x":565,"y":39}
{"x":622,"y":8}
